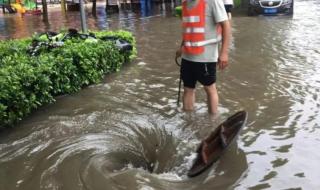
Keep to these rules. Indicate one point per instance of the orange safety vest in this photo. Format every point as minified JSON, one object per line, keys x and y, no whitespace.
{"x":193,"y":24}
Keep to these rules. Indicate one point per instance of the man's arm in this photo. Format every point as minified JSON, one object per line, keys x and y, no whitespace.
{"x":223,"y":55}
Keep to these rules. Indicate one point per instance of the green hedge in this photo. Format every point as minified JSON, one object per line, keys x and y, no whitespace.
{"x":178,"y":11}
{"x":27,"y":82}
{"x":237,"y":3}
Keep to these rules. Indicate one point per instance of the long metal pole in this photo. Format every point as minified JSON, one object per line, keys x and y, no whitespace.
{"x":83,"y":17}
{"x":45,"y":10}
{"x":63,"y":7}
{"x":179,"y":91}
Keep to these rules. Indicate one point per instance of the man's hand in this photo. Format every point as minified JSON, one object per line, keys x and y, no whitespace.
{"x":223,"y":61}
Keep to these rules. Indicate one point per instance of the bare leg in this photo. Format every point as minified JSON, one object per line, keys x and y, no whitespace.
{"x":212,"y":98}
{"x":188,"y":99}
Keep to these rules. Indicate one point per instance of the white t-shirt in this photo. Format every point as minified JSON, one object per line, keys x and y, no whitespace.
{"x":215,"y":13}
{"x":228,"y":2}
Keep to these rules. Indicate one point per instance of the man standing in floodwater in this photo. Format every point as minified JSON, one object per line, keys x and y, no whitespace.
{"x":205,"y":24}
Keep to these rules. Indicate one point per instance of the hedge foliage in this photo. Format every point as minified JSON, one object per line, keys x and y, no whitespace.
{"x":27,"y":82}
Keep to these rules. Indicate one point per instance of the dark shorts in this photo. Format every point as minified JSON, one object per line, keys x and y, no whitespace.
{"x":191,"y":72}
{"x":228,"y":8}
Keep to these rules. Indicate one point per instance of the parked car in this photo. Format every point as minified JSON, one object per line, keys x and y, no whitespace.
{"x":270,"y":7}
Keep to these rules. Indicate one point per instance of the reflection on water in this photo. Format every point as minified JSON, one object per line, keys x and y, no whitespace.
{"x":145,"y":6}
{"x":126,"y":133}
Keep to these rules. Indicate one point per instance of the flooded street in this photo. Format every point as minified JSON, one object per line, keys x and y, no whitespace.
{"x":127,"y":132}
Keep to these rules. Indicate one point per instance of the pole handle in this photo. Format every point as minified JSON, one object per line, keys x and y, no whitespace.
{"x":179,"y":90}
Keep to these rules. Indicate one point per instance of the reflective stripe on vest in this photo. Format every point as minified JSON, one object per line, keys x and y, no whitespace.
{"x":191,"y":19}
{"x":194,"y":30}
{"x":202,"y":43}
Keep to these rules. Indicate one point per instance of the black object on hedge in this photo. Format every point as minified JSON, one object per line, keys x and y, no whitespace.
{"x":122,"y":45}
{"x":34,"y":49}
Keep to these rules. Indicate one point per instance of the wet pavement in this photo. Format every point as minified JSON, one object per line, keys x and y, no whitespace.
{"x":127,"y":133}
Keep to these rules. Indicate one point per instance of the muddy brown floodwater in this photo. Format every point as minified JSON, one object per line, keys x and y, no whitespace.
{"x":127,"y":133}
